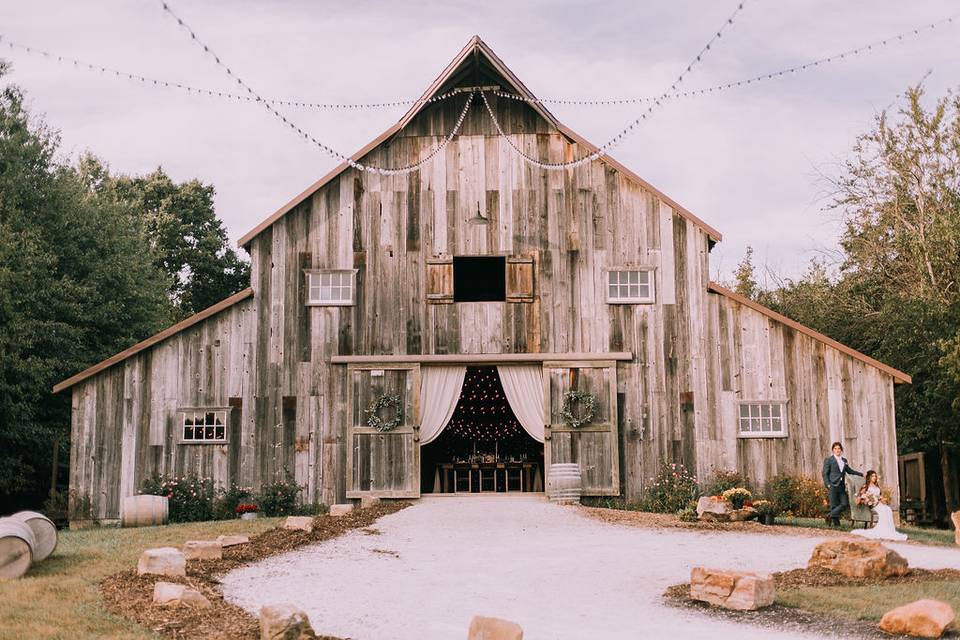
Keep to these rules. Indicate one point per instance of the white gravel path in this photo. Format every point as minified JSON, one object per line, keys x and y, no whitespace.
{"x":559,"y":574}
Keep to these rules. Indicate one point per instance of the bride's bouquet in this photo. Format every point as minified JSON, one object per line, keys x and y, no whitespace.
{"x":869,"y":499}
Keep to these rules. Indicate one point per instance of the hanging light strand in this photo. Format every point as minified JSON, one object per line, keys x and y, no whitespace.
{"x":899,"y":38}
{"x":324,"y":147}
{"x":602,"y":150}
{"x":226,"y":95}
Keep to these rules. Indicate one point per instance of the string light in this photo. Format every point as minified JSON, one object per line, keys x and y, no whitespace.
{"x":602,"y":150}
{"x":327,"y":149}
{"x":227,"y":95}
{"x":867,"y":48}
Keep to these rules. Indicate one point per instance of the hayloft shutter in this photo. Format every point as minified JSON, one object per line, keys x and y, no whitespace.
{"x":520,"y":279}
{"x":440,"y":280}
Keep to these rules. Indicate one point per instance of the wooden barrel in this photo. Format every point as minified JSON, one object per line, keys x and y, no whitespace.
{"x":563,"y":483}
{"x":44,"y":532}
{"x":16,"y":548}
{"x":144,"y":511}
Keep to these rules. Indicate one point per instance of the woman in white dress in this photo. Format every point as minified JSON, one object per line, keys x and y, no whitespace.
{"x":869,"y":495}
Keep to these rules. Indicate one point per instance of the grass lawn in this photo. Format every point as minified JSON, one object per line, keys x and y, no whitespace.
{"x":868,"y":602}
{"x":940,"y":537}
{"x":59,"y":597}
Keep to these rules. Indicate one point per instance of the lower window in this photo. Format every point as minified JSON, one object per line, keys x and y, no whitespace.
{"x":763,"y":420}
{"x":204,"y":425}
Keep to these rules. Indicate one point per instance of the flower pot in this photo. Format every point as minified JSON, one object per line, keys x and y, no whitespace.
{"x":250,"y":515}
{"x":768,"y":518}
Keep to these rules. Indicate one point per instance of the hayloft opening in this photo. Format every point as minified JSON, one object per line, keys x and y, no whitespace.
{"x":483,"y":448}
{"x":479,"y":279}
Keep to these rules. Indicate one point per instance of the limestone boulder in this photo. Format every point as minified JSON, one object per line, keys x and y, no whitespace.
{"x":713,"y":505}
{"x":738,"y":590}
{"x":284,"y":622}
{"x":483,"y":628}
{"x":338,"y":510}
{"x":955,"y":516}
{"x":922,"y":619}
{"x":859,"y":559}
{"x":202,"y":550}
{"x":162,"y":561}
{"x":230,"y":541}
{"x":742,"y":515}
{"x":174,"y":595}
{"x":299,"y":523}
{"x":369,"y":501}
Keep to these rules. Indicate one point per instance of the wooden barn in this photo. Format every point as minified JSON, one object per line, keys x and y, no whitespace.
{"x":463,"y":326}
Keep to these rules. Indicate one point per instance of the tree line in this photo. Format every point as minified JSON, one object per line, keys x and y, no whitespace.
{"x":894,"y":291}
{"x":91,"y":262}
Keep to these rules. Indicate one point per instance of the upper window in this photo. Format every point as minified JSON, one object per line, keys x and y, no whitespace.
{"x":200,"y":425}
{"x":330,"y":287}
{"x":762,"y":420}
{"x":629,"y":285}
{"x":479,"y":279}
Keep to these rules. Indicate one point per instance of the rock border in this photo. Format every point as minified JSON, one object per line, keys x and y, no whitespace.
{"x":130,"y":596}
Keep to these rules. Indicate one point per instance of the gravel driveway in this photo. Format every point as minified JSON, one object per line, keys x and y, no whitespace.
{"x":557,"y":573}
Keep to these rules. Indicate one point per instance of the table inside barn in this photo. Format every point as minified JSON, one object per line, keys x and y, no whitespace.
{"x":488,"y":477}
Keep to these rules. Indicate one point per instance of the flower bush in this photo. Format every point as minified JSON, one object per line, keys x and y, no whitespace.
{"x":765,"y":507}
{"x":246,"y":507}
{"x":279,"y":498}
{"x":737,"y":496}
{"x":191,"y":498}
{"x":672,"y":489}
{"x":799,"y":496}
{"x":234,"y":495}
{"x":723,"y":480}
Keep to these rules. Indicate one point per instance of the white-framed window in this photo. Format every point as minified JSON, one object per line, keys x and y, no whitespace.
{"x":330,"y":287}
{"x":625,"y":286}
{"x":203,"y":425}
{"x":763,"y":419}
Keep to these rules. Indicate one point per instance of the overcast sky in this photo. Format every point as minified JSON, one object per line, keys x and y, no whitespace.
{"x":750,"y":162}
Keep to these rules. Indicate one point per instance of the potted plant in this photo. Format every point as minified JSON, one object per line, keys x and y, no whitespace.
{"x":737,"y":496}
{"x":766,"y":511}
{"x":247,"y":511}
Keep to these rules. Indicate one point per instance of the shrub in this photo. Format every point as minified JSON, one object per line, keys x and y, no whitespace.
{"x":226,"y":506}
{"x":191,"y":497}
{"x":672,"y":489}
{"x":315,"y":509}
{"x":723,"y":480}
{"x":799,"y":496}
{"x":688,"y":514}
{"x":279,"y":498}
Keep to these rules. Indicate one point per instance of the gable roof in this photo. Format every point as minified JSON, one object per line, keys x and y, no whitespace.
{"x":154,"y":339}
{"x":898,"y":376}
{"x":476,"y":52}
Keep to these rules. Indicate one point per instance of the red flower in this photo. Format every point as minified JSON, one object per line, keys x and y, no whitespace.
{"x":246,"y":507}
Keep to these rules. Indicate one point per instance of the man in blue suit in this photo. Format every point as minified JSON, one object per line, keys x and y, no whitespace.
{"x":835,"y":470}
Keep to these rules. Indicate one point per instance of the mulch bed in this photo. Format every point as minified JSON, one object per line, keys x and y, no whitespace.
{"x":669,"y":521}
{"x":131,"y":596}
{"x":783,"y":617}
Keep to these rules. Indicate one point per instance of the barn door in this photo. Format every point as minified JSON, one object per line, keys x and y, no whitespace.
{"x":594,"y":446}
{"x":385,"y":464}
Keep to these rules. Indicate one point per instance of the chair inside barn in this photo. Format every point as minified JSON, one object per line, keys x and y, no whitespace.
{"x":483,"y":448}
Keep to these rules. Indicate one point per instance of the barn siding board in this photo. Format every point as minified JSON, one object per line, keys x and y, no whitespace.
{"x":697,"y":353}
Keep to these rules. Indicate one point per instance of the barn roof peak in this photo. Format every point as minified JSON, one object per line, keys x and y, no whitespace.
{"x":477,"y":63}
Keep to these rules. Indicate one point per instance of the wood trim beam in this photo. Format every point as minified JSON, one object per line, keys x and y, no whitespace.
{"x":154,"y":339}
{"x":898,"y":376}
{"x":481,"y":358}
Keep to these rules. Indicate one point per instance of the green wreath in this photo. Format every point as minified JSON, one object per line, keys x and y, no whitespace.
{"x":386,"y":401}
{"x":588,"y":405}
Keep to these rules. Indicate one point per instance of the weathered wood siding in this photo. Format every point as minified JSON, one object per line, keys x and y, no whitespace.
{"x":830,"y":396}
{"x":269,"y":357}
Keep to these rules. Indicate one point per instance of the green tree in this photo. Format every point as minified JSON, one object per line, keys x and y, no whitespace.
{"x":77,"y":284}
{"x":189,"y":242}
{"x":745,"y":281}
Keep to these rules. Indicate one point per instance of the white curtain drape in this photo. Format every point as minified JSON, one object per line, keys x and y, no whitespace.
{"x":439,"y":393}
{"x":523,"y":386}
